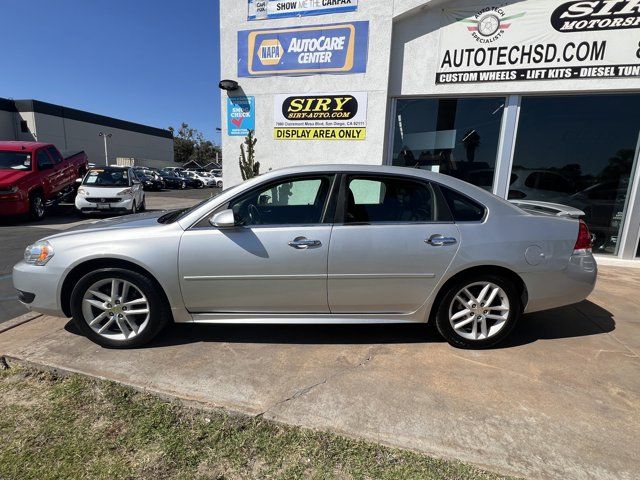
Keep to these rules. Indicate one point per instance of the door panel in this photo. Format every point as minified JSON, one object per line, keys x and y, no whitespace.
{"x":254,"y":269}
{"x":386,"y":268}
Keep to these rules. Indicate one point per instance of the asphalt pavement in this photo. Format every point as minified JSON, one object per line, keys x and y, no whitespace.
{"x":17,"y":233}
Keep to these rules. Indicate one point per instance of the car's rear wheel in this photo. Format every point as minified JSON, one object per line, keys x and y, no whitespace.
{"x":118,"y":308}
{"x":36,"y":206}
{"x":478,"y":311}
{"x":219,"y":184}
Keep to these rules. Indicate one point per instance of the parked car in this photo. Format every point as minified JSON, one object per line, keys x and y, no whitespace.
{"x":34,"y":175}
{"x":172,"y":181}
{"x":192,"y":182}
{"x":204,"y":179}
{"x":149,"y":180}
{"x":217,"y":178}
{"x":356,"y":244}
{"x":110,"y":189}
{"x":540,"y":185}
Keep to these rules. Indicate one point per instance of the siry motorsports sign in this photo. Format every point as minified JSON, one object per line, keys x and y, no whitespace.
{"x":340,"y":116}
{"x":339,"y":48}
{"x":540,"y":40}
{"x":267,"y":9}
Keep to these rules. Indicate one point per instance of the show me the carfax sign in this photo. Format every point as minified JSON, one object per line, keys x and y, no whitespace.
{"x":325,"y":116}
{"x":540,"y":40}
{"x":267,"y":9}
{"x":339,"y":48}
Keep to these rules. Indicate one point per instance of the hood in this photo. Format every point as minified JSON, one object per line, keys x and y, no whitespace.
{"x":103,"y":191}
{"x":10,"y":177}
{"x":141,"y":220}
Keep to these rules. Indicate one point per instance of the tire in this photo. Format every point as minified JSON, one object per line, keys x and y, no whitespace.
{"x":219,"y":184}
{"x":149,"y":324}
{"x":183,"y":186}
{"x":143,"y":205}
{"x":134,"y":208}
{"x":36,"y":206}
{"x":488,"y":331}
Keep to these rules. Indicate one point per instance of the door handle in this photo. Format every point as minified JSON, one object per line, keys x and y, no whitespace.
{"x":303,"y":243}
{"x":440,"y":240}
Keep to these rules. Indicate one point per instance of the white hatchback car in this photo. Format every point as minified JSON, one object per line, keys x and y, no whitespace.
{"x":112,"y":190}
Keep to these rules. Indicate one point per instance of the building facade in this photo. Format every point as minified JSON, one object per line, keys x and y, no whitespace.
{"x":70,"y":129}
{"x":532,"y":99}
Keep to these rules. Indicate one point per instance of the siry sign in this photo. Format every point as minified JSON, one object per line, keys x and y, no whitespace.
{"x":320,"y":117}
{"x":528,"y":40}
{"x":335,"y":48}
{"x":599,"y":15}
{"x":266,"y":9}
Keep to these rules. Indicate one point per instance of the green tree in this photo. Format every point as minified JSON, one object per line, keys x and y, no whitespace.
{"x":190,"y":144}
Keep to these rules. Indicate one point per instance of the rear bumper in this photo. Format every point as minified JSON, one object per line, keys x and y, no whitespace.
{"x":556,"y":289}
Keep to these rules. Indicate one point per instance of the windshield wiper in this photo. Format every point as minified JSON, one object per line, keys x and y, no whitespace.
{"x":171,"y":216}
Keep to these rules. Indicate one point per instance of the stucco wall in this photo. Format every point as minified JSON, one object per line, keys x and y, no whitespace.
{"x":7,"y":127}
{"x":275,"y":154}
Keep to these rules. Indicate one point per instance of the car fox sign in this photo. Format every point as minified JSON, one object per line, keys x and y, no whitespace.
{"x":267,"y":9}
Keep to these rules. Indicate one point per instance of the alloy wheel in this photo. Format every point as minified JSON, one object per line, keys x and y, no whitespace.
{"x":479,"y":311}
{"x":115,"y":309}
{"x":38,"y":206}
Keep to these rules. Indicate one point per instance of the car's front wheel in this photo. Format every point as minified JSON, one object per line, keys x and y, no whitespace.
{"x":118,"y":308}
{"x":478,"y":311}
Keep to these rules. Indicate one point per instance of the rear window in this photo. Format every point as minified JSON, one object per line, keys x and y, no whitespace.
{"x":462,"y":208}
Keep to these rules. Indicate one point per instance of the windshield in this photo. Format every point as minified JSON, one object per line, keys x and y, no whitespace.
{"x":101,"y":177}
{"x":15,"y":161}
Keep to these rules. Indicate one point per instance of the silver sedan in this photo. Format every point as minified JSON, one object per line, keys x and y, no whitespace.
{"x":331,"y":244}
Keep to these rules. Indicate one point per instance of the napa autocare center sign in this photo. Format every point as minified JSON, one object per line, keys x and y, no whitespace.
{"x":241,"y":116}
{"x":334,"y":116}
{"x":339,"y":48}
{"x":268,"y":9}
{"x":540,"y":40}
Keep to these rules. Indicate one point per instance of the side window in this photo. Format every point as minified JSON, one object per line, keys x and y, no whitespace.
{"x":291,"y":202}
{"x":462,"y":208}
{"x":44,"y":161}
{"x":388,"y":199}
{"x":54,"y":154}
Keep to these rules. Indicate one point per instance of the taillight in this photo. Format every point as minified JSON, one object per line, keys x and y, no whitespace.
{"x":583,"y":243}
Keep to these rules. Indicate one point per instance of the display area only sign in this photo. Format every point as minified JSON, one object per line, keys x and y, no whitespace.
{"x":241,"y":116}
{"x":266,"y":9}
{"x":314,"y":49}
{"x":540,"y":40}
{"x":324,"y":116}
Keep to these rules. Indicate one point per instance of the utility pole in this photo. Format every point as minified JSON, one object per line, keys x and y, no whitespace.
{"x":106,"y":153}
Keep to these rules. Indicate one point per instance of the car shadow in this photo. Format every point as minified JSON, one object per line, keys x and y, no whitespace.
{"x":583,"y":319}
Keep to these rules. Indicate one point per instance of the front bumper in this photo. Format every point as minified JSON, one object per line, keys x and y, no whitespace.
{"x":13,"y":206}
{"x":40,"y":285}
{"x":123,"y":206}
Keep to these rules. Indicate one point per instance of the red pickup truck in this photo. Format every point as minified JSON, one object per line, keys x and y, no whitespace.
{"x":34,"y":175}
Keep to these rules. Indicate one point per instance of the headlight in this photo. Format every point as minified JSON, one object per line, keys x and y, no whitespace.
{"x":83,"y":192}
{"x":127,"y":191}
{"x":39,"y":253}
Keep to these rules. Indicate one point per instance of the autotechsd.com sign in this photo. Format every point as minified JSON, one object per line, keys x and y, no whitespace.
{"x":338,"y":48}
{"x":540,"y":40}
{"x":324,"y":116}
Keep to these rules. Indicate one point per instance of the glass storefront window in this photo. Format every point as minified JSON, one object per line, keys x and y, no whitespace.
{"x":579,"y":151}
{"x":458,"y":137}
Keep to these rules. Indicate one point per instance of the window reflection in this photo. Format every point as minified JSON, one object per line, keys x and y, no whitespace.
{"x":457,"y":137}
{"x":578,"y":151}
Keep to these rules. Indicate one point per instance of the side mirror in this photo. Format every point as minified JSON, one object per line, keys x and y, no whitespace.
{"x":223,"y":219}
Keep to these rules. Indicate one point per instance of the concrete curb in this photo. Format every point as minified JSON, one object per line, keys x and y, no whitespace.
{"x":15,"y":322}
